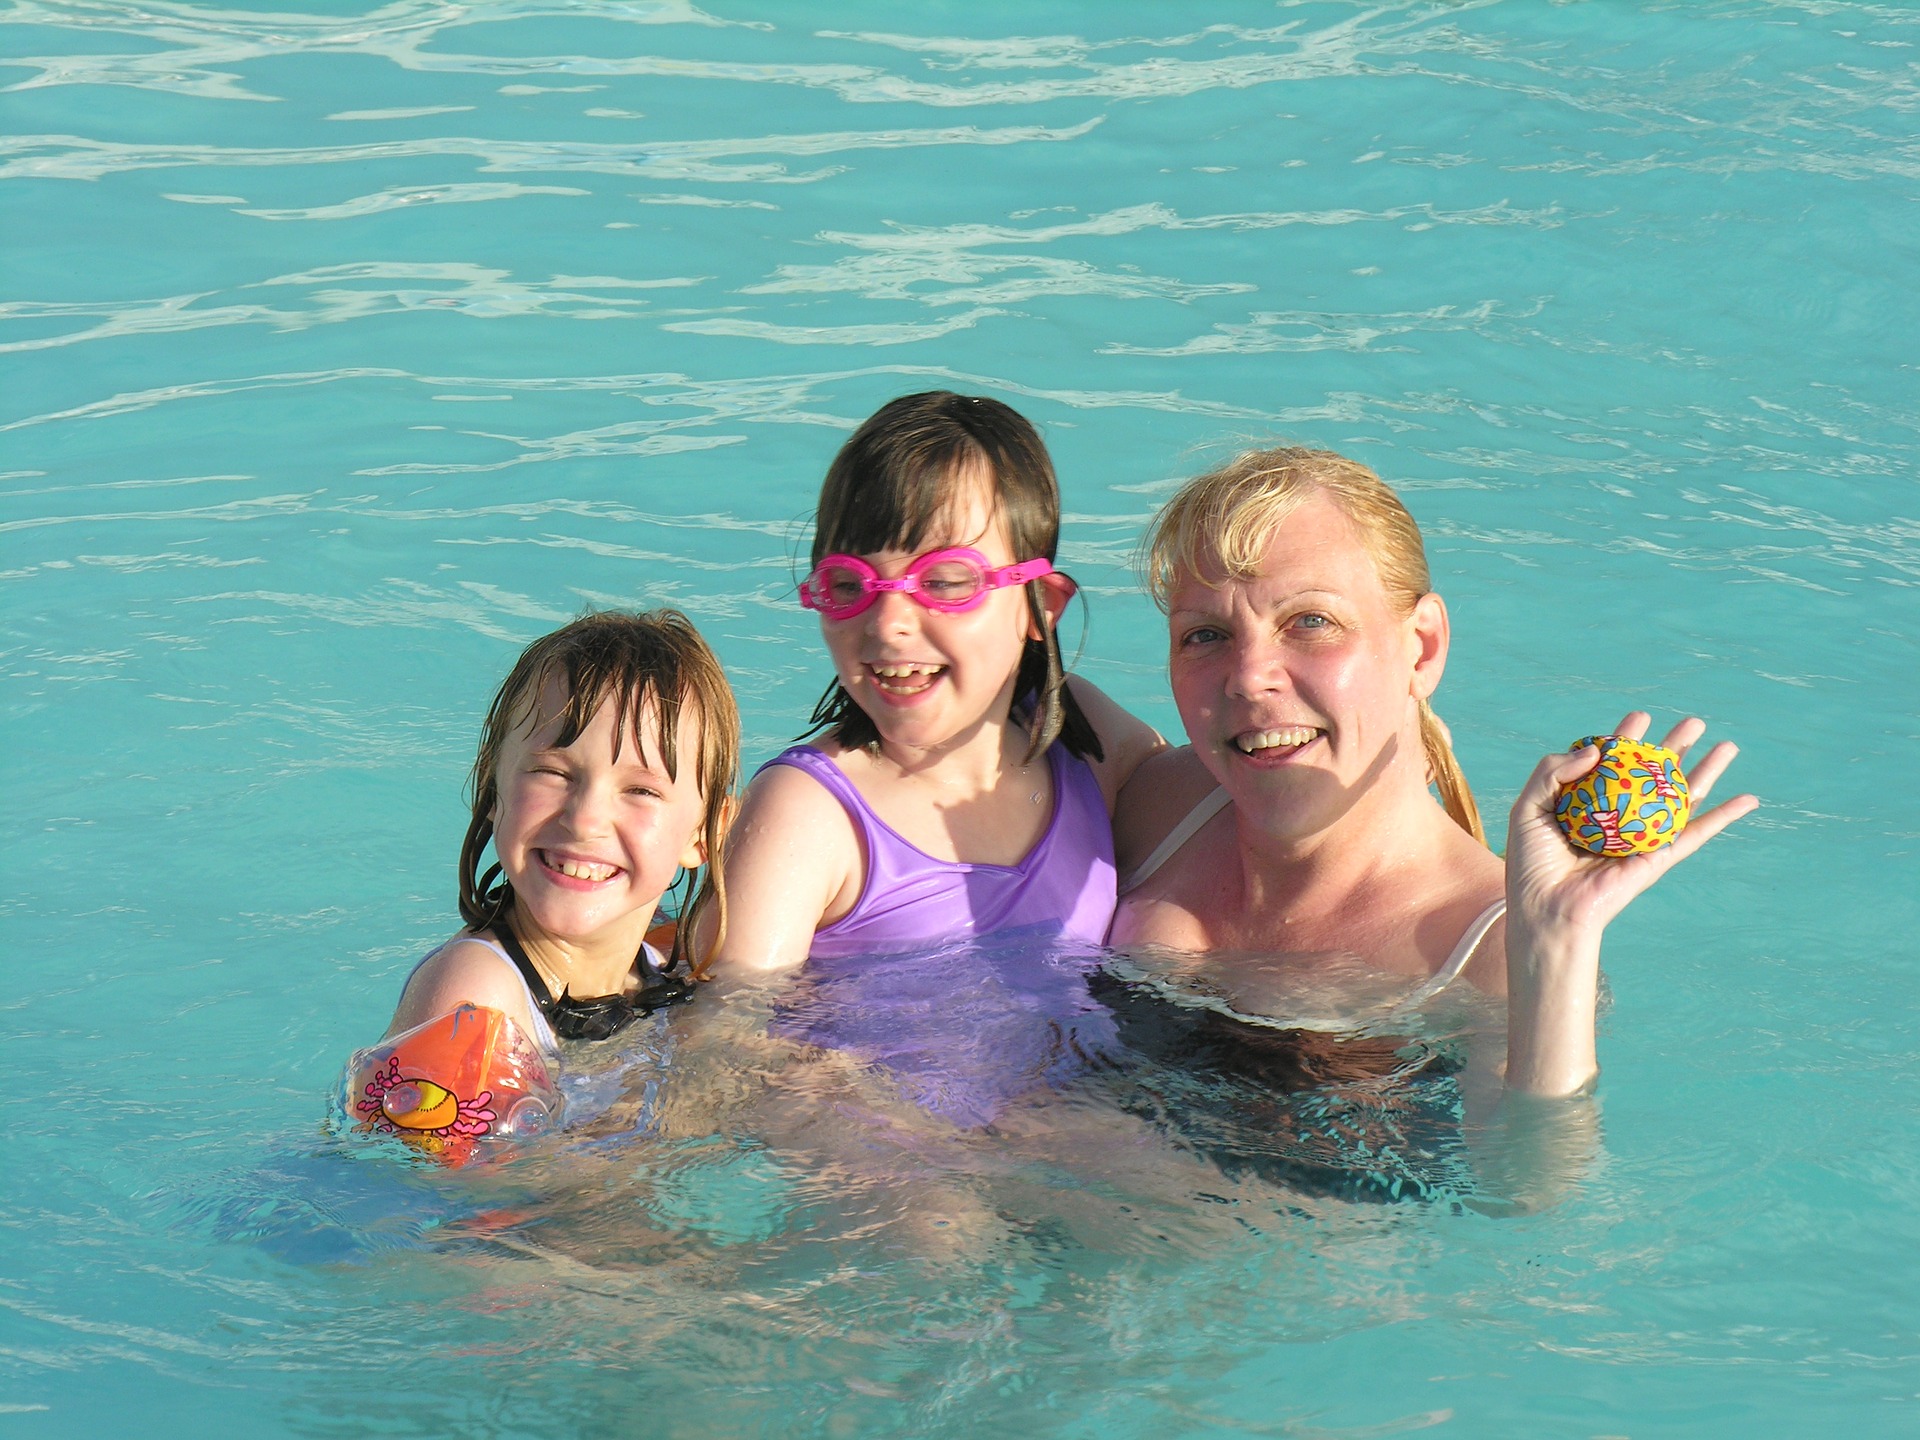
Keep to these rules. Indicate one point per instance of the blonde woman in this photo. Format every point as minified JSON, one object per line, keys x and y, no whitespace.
{"x":1305,"y":644}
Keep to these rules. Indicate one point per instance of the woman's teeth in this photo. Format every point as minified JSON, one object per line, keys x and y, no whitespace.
{"x":1292,"y":737}
{"x":582,"y":869}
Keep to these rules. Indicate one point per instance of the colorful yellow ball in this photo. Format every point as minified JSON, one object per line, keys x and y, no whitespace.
{"x":1633,"y":802}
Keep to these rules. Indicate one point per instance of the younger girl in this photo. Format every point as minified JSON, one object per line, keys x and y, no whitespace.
{"x":959,"y":784}
{"x":605,"y":770}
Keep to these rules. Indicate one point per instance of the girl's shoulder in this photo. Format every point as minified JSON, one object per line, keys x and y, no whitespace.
{"x":1161,"y":793}
{"x":469,"y":969}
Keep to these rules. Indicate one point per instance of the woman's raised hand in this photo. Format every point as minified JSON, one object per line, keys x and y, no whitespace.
{"x":1551,"y":884}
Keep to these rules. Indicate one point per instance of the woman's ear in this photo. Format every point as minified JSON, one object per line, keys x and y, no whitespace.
{"x":1431,"y":636}
{"x":1056,"y":591}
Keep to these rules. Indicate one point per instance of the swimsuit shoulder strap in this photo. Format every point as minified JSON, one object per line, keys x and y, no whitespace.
{"x":810,"y":760}
{"x":509,"y":948}
{"x":1462,"y":952}
{"x":1189,"y":825}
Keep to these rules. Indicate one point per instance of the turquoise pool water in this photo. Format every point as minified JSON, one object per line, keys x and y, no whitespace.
{"x":344,"y":352}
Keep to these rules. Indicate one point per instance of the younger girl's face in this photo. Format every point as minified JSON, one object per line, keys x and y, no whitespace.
{"x":591,"y":842}
{"x":927,"y":679}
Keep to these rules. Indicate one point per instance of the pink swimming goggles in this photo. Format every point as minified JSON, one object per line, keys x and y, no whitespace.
{"x":945,"y":581}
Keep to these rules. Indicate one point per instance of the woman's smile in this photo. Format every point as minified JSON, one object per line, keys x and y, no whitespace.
{"x":1277,"y":745}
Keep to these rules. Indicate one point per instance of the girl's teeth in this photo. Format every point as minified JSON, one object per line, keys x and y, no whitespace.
{"x":1291,"y":737}
{"x":901,"y":672}
{"x":581,"y":870}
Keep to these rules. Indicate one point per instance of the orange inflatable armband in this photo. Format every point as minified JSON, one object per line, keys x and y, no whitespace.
{"x":442,"y":1086}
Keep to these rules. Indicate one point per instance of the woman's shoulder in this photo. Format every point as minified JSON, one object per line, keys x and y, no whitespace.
{"x":1163,"y":791}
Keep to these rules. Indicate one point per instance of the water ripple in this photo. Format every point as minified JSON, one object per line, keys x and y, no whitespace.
{"x":76,"y":157}
{"x":402,"y":197}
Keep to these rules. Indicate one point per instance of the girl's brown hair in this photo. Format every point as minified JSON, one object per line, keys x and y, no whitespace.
{"x":1221,"y":523}
{"x":892,"y":487}
{"x":642,"y":663}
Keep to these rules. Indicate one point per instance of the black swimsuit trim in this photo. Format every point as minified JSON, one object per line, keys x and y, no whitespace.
{"x":649,"y":988}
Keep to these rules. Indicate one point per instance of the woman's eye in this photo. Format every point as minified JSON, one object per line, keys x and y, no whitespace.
{"x":1202,"y":635}
{"x":1313,"y":620}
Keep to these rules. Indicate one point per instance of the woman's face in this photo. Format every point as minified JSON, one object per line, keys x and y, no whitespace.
{"x":1299,"y":687}
{"x":927,"y":679}
{"x":590,"y":841}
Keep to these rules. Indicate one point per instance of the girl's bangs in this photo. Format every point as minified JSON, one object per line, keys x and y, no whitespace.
{"x":902,"y":508}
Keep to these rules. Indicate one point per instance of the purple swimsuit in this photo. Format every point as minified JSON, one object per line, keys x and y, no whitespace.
{"x":1064,"y":889}
{"x":966,"y":982}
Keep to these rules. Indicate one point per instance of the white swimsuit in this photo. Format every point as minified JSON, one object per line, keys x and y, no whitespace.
{"x":1211,"y":806}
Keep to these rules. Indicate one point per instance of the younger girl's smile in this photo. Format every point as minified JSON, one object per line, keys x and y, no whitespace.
{"x":585,"y":874}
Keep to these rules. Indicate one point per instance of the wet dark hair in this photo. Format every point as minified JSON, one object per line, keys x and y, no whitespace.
{"x":651,"y":662}
{"x":892,"y":487}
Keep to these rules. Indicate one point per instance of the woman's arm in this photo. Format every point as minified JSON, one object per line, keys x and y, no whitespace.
{"x":1126,"y":739}
{"x":1560,"y":901}
{"x":792,"y":864}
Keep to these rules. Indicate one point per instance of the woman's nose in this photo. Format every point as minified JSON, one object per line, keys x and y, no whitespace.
{"x":1258,"y":668}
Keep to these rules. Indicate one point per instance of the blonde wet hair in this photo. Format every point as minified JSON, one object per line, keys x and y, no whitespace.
{"x":1221,"y":523}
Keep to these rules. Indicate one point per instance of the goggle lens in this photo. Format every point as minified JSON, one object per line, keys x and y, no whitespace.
{"x":951,"y":583}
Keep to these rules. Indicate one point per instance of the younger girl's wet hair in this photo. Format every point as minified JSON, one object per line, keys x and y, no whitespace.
{"x":652,"y":663}
{"x":1220,"y":525}
{"x":893,"y":486}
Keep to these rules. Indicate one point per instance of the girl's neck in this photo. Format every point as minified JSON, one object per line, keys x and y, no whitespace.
{"x":971,"y":763}
{"x":584,"y":969}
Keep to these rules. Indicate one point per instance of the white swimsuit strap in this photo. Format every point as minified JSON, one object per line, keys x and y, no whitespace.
{"x":1462,"y":952}
{"x":1189,"y":825}
{"x":491,"y":944}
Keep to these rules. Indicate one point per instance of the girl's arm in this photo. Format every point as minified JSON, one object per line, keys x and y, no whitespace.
{"x":1126,"y":739}
{"x":792,"y":865}
{"x":1559,"y":903}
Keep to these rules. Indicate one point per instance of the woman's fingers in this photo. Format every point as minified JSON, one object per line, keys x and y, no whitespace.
{"x":1701,"y":777}
{"x":1681,"y":738}
{"x":1702,"y":828}
{"x":1633,"y":724}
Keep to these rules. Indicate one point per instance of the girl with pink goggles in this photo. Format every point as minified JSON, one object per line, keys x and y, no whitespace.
{"x":947,"y":581}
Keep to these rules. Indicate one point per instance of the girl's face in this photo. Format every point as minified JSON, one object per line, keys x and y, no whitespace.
{"x":1299,"y":686}
{"x":590,"y":842}
{"x":924,"y":678}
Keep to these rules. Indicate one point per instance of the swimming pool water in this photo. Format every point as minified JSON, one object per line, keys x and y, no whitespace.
{"x":345,"y":350}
